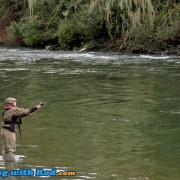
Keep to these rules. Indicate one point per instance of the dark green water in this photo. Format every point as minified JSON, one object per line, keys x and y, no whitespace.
{"x":107,"y":116}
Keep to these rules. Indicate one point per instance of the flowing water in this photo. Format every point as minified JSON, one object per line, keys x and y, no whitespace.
{"x":107,"y":116}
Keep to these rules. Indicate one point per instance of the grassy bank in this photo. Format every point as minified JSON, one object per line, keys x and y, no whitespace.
{"x":116,"y":25}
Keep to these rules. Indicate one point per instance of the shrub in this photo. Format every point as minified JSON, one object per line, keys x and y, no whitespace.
{"x":32,"y":34}
{"x":67,"y":32}
{"x":89,"y":25}
{"x":82,"y":27}
{"x":14,"y":33}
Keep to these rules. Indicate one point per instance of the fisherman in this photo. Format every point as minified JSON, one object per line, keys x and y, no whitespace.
{"x":11,"y":122}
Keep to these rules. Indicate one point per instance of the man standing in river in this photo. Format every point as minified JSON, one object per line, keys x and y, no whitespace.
{"x":11,"y":122}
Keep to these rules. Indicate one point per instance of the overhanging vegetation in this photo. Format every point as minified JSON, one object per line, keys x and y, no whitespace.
{"x":128,"y":25}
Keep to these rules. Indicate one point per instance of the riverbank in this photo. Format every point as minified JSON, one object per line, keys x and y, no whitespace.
{"x":159,"y":47}
{"x":150,"y":46}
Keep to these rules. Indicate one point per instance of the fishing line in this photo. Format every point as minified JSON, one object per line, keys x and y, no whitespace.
{"x":59,"y":91}
{"x":18,"y":81}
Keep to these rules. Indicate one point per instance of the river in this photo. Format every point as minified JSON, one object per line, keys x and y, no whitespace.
{"x":106,"y":115}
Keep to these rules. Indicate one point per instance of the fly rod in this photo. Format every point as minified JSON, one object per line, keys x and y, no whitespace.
{"x":59,"y":91}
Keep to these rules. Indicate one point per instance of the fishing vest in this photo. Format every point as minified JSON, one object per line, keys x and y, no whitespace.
{"x":9,"y":120}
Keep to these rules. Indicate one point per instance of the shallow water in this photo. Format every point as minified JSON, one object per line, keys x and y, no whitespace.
{"x":107,"y":116}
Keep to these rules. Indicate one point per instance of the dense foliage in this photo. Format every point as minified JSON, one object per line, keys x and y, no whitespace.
{"x":131,"y":25}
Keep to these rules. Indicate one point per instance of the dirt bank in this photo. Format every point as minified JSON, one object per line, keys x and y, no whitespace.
{"x":3,"y":35}
{"x":5,"y":20}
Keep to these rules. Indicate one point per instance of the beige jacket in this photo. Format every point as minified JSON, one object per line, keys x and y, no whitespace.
{"x":12,"y":117}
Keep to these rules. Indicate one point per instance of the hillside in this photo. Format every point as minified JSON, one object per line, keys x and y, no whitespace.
{"x":111,"y":25}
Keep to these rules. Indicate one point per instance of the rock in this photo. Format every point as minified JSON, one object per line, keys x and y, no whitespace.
{"x":83,"y":49}
{"x":48,"y":48}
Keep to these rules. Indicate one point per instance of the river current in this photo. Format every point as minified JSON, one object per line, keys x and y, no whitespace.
{"x":106,"y":115}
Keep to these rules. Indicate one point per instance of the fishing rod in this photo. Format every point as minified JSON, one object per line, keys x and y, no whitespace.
{"x":51,"y":97}
{"x":59,"y":91}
